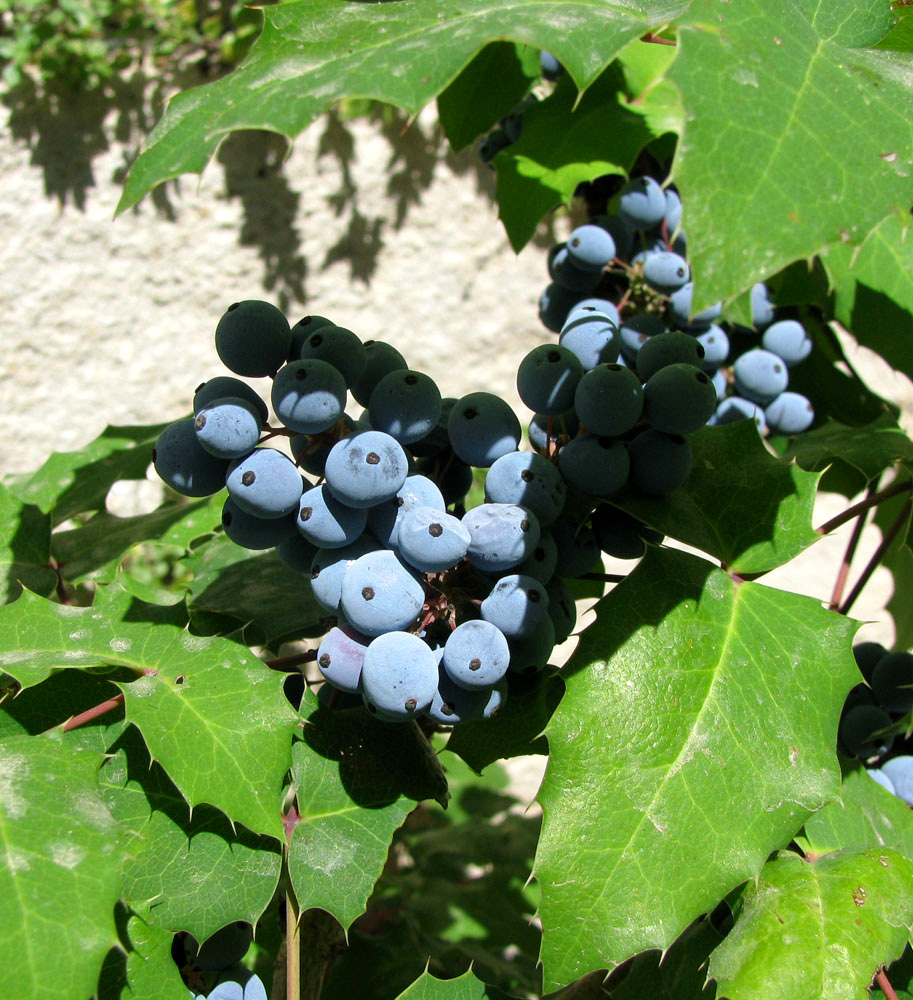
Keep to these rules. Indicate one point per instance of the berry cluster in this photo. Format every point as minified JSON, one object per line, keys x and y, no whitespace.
{"x":434,"y":604}
{"x":627,"y":270}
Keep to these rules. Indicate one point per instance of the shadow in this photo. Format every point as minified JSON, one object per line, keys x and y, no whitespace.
{"x":253,"y":161}
{"x":378,"y":761}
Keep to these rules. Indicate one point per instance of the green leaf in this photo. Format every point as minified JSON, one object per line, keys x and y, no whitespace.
{"x":173,"y":853}
{"x":677,"y":974}
{"x":871,"y":448}
{"x":772,"y":147}
{"x":25,"y":549}
{"x":486,"y":90}
{"x":64,"y":694}
{"x":71,"y":482}
{"x":873,"y":290}
{"x":95,"y":548}
{"x":426,"y":987}
{"x":312,"y":53}
{"x":817,"y":930}
{"x":536,"y":173}
{"x":898,"y":560}
{"x":229,"y":581}
{"x":865,"y":816}
{"x":765,"y":520}
{"x":151,"y":971}
{"x":516,"y":730}
{"x":211,"y":712}
{"x":688,"y":732}
{"x":61,"y":873}
{"x":349,"y":776}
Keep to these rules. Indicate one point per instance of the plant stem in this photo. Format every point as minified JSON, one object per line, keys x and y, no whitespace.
{"x":656,"y":39}
{"x":870,"y":501}
{"x":292,"y":946}
{"x":844,"y":571}
{"x":603,"y":577}
{"x":93,"y":713}
{"x":877,"y":556}
{"x":881,"y":977}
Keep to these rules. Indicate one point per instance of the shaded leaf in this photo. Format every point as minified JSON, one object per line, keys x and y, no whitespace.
{"x":516,"y":730}
{"x":61,"y":873}
{"x":741,"y":504}
{"x":677,"y":974}
{"x":687,"y":732}
{"x":485,"y":91}
{"x":25,"y":549}
{"x":231,"y":581}
{"x":71,"y":482}
{"x":209,"y":710}
{"x":819,"y":929}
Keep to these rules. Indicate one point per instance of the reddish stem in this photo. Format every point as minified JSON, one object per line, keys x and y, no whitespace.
{"x":280,"y":662}
{"x":872,"y":500}
{"x":656,"y":39}
{"x":844,"y":572}
{"x":93,"y":713}
{"x":881,"y":977}
{"x":877,"y":556}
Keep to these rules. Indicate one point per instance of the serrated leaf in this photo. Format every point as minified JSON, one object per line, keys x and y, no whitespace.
{"x":772,"y":147}
{"x":819,"y":929}
{"x":677,"y":974}
{"x":311,"y":53}
{"x":173,"y":853}
{"x":426,"y":987}
{"x":871,"y":448}
{"x":151,"y":971}
{"x":211,"y":712}
{"x":695,"y":736}
{"x":95,"y":548}
{"x":60,"y":875}
{"x":865,"y":816}
{"x":516,"y":730}
{"x":536,"y":173}
{"x":72,"y":482}
{"x":741,"y":504}
{"x":25,"y":549}
{"x":356,"y":780}
{"x":486,"y":90}
{"x":230,"y":581}
{"x":873,"y":290}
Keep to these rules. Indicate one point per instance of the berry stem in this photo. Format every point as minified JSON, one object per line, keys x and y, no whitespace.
{"x":877,"y":556}
{"x":603,"y":577}
{"x":656,"y":39}
{"x":872,"y":500}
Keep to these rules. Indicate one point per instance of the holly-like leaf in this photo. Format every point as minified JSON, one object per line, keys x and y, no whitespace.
{"x":772,"y":155}
{"x":95,"y":548}
{"x":516,"y":730}
{"x":233,"y":582}
{"x":311,"y":53}
{"x":25,"y":549}
{"x":211,"y":712}
{"x":695,"y":736}
{"x":873,"y":290}
{"x":536,"y":173}
{"x":60,"y":876}
{"x":741,"y":504}
{"x":871,"y":449}
{"x":865,"y":816}
{"x":817,"y":929}
{"x":427,"y":987}
{"x":173,"y":853}
{"x":356,"y":780}
{"x":151,"y":971}
{"x":487,"y":89}
{"x":71,"y":482}
{"x":677,"y":974}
